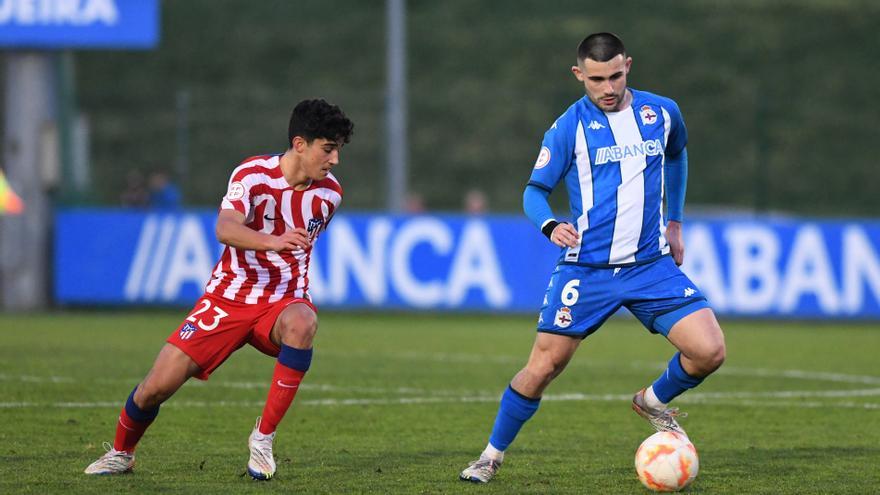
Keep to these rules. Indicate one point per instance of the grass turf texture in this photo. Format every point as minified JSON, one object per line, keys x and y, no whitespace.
{"x":400,"y":404}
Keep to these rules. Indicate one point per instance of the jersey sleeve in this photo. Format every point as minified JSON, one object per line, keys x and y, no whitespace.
{"x":238,"y":195}
{"x":678,"y":134}
{"x":556,"y":151}
{"x":332,"y":193}
{"x":335,"y":201}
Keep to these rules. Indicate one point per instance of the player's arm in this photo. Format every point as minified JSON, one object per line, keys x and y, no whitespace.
{"x":553,"y":160}
{"x":537,"y":208}
{"x":232,"y":231}
{"x":676,"y":186}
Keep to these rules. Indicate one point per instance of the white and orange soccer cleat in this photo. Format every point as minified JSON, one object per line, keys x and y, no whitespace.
{"x":113,"y":462}
{"x":661,"y":420}
{"x":480,"y":471}
{"x":261,"y":465}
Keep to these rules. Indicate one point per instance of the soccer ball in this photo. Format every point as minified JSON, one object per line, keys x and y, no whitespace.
{"x":667,"y":462}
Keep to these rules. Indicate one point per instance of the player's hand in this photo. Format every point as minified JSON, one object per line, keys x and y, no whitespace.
{"x":676,"y":241}
{"x":565,"y":235}
{"x":291,"y":240}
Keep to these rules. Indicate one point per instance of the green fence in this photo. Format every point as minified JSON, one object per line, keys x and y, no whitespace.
{"x":779,"y":97}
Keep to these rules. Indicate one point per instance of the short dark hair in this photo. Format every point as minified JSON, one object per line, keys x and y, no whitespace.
{"x":601,"y":47}
{"x":312,"y":119}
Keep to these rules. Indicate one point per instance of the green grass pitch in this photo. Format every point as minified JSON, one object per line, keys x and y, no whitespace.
{"x":400,"y":403}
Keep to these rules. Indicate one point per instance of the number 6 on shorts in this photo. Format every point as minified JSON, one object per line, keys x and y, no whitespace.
{"x":569,"y":292}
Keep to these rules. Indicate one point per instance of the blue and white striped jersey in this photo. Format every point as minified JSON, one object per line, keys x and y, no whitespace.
{"x":612,"y":165}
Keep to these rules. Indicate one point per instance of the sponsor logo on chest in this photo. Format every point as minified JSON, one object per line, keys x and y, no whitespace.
{"x":625,"y":151}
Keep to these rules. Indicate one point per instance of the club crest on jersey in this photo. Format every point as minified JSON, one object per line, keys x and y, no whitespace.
{"x":563,"y":317}
{"x":187,"y":331}
{"x":649,"y":116}
{"x":543,"y":158}
{"x":235,"y":192}
{"x":314,"y":227}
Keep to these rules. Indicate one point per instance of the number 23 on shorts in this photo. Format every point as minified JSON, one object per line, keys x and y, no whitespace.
{"x":210,"y":321}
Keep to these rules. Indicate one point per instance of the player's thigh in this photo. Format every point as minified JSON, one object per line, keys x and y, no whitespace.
{"x":213,"y":330}
{"x":578,"y":300}
{"x":698,"y":335}
{"x":660,"y":295}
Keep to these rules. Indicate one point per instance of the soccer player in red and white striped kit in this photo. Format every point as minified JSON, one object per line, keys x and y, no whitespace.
{"x":275,"y":207}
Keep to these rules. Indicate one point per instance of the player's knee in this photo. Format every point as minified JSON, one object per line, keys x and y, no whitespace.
{"x":298,"y":323}
{"x":712,"y":358}
{"x":547,"y":369}
{"x":717,"y":357}
{"x":151,"y":395}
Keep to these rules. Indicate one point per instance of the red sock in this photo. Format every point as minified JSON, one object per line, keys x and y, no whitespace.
{"x":285,"y":383}
{"x":129,"y":432}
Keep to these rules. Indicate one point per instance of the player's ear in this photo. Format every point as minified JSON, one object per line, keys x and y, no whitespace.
{"x":298,"y":144}
{"x":578,"y":73}
{"x":629,"y":62}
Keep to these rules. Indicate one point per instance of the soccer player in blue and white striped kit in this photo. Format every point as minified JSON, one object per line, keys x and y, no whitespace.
{"x":621,"y":154}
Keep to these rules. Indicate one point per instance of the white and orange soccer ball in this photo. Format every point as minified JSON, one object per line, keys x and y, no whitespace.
{"x":667,"y":462}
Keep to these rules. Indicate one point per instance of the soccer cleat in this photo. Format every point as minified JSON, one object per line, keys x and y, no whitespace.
{"x":480,"y":471}
{"x":113,"y":462}
{"x":261,"y":465}
{"x":661,"y":421}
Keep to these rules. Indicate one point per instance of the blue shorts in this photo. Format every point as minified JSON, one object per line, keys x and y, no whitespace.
{"x":579,"y":299}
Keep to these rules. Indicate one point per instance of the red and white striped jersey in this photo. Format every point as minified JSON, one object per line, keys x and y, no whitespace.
{"x":258,"y":190}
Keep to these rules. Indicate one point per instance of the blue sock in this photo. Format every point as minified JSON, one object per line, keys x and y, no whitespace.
{"x":674,"y":381}
{"x":298,"y":359}
{"x":514,"y":411}
{"x":136,"y":413}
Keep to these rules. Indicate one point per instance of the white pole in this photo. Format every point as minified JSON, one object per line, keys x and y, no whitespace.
{"x":24,"y":239}
{"x":396,"y":107}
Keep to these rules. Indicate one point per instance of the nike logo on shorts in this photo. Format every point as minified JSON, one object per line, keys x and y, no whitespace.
{"x":284,"y":385}
{"x":267,"y":217}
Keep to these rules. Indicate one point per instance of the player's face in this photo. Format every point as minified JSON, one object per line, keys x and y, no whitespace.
{"x":319,"y":156}
{"x":605,"y":82}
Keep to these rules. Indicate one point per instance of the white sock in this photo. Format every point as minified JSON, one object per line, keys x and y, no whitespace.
{"x":493,"y":453}
{"x":652,"y":401}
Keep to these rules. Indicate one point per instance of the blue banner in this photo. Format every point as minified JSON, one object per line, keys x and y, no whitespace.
{"x":59,"y":24}
{"x":762,"y":267}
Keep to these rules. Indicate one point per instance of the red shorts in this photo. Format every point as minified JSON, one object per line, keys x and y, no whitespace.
{"x":217,"y":327}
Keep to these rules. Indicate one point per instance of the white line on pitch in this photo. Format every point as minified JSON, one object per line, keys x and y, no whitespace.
{"x":741,"y":398}
{"x":726,"y":370}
